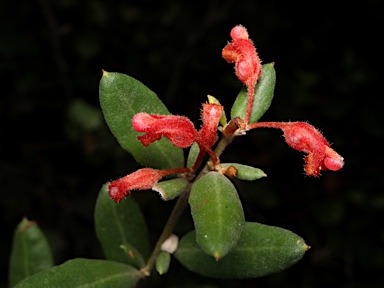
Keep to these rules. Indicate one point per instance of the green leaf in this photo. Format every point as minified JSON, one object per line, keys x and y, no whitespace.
{"x":119,"y":224}
{"x":162,"y":262}
{"x":217,"y":213}
{"x":121,"y":97}
{"x":85,"y":273}
{"x":30,"y":252}
{"x":192,"y":155}
{"x":263,"y":96}
{"x":261,"y":250}
{"x":245,"y":172}
{"x":170,"y":189}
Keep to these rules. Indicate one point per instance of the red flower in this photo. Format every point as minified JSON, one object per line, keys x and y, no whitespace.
{"x":304,"y":137}
{"x":207,"y":135}
{"x":142,"y":179}
{"x":210,"y":115}
{"x":178,"y":129}
{"x":248,"y":64}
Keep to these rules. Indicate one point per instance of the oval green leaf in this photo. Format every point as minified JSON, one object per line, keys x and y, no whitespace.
{"x":119,"y":224}
{"x":217,"y":213}
{"x":30,"y":252}
{"x":121,"y":97}
{"x":85,"y":273}
{"x":260,"y":251}
{"x":170,"y":189}
{"x":263,"y":96}
{"x":245,"y":172}
{"x":193,"y":154}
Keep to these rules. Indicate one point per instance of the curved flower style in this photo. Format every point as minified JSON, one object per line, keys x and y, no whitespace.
{"x":248,"y":64}
{"x":306,"y":138}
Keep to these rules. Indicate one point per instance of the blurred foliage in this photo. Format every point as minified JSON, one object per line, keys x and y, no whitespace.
{"x":56,"y":151}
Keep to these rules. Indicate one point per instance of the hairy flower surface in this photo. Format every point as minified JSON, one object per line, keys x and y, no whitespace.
{"x":142,"y":179}
{"x":306,"y":138}
{"x":242,"y":52}
{"x":210,"y":116}
{"x":178,"y":129}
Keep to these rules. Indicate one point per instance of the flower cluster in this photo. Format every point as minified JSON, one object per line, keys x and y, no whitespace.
{"x":298,"y":135}
{"x":180,"y":131}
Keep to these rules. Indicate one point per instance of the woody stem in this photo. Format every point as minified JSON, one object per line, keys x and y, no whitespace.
{"x":167,"y":231}
{"x":179,"y":209}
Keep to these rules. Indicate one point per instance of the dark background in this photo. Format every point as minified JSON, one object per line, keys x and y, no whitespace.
{"x":56,"y":151}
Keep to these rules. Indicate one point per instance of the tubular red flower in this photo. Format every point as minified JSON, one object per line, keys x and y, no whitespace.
{"x":306,"y":138}
{"x":207,"y":136}
{"x":178,"y":129}
{"x":247,"y":62}
{"x":142,"y":179}
{"x":210,"y":116}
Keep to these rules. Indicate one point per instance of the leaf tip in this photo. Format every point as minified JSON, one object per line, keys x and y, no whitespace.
{"x":305,"y":247}
{"x":105,"y":73}
{"x":27,"y":223}
{"x":217,"y":256}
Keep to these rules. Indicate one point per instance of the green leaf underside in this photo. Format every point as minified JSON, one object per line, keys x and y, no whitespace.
{"x":30,"y":252}
{"x":170,"y":189}
{"x":121,"y":97}
{"x":245,"y":172}
{"x":119,"y":224}
{"x":217,"y":214}
{"x":260,"y":251}
{"x":263,"y":96}
{"x":85,"y":273}
{"x":192,"y":155}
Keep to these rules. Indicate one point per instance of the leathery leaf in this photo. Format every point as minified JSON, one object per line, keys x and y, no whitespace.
{"x":260,"y":251}
{"x":217,"y":214}
{"x":120,"y":224}
{"x":121,"y":97}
